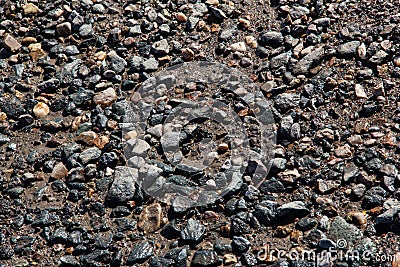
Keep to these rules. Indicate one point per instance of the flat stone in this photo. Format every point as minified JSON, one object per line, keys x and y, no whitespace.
{"x":150,"y":218}
{"x":140,"y":252}
{"x":41,"y":110}
{"x":360,"y":92}
{"x":30,"y":9}
{"x":12,"y":43}
{"x":205,"y":258}
{"x":64,"y":29}
{"x":59,"y":171}
{"x":105,"y":98}
{"x":123,"y":187}
{"x":194,"y":231}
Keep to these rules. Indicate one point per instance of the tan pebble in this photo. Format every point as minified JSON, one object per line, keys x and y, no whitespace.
{"x":11,"y":43}
{"x":251,"y":41}
{"x":130,"y":135}
{"x":181,"y":17}
{"x":34,"y":47}
{"x":245,"y":22}
{"x":223,"y":147}
{"x":30,"y":9}
{"x":212,"y":2}
{"x":101,"y":141}
{"x":59,"y":171}
{"x":41,"y":110}
{"x":88,"y":137}
{"x":215,"y":28}
{"x":3,"y":116}
{"x":100,"y":55}
{"x":106,"y":97}
{"x":360,"y":92}
{"x":230,"y":259}
{"x":150,"y":218}
{"x":296,"y":235}
{"x":238,"y":47}
{"x":343,"y":151}
{"x":28,"y":40}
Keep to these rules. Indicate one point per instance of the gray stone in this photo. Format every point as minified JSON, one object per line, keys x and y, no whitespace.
{"x":342,"y":230}
{"x":272,"y":38}
{"x":349,"y":48}
{"x":123,"y":187}
{"x":193,"y":232}
{"x":309,"y":61}
{"x":140,"y":252}
{"x":160,"y":48}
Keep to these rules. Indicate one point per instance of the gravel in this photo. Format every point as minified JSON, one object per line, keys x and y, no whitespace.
{"x":329,"y":69}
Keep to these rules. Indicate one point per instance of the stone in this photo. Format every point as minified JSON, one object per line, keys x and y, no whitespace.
{"x":203,"y":258}
{"x":12,"y":43}
{"x":360,"y":92}
{"x":343,"y":151}
{"x":136,"y":147}
{"x":123,"y":187}
{"x":59,"y":171}
{"x":4,"y":139}
{"x":88,"y":137}
{"x":117,"y":63}
{"x":89,"y":155}
{"x":41,"y":110}
{"x":342,"y":230}
{"x":150,"y":218}
{"x":187,"y":54}
{"x":149,"y":65}
{"x":288,"y":212}
{"x":140,"y":252}
{"x":193,"y":232}
{"x":64,"y":29}
{"x":309,"y":61}
{"x":30,"y":9}
{"x":272,"y":38}
{"x":105,"y":98}
{"x":161,"y":47}
{"x":238,"y":47}
{"x":349,"y":48}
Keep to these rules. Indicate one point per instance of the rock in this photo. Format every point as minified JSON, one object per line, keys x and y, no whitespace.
{"x":11,"y":43}
{"x":343,"y":151}
{"x":59,"y":171}
{"x":348,"y":49}
{"x":298,"y":11}
{"x":181,"y":17}
{"x":86,"y":30}
{"x":203,"y":258}
{"x":238,"y":47}
{"x":30,"y":9}
{"x":280,"y":60}
{"x":117,"y":63}
{"x":309,"y":61}
{"x":374,"y":197}
{"x":193,"y":232}
{"x":4,"y":139}
{"x":140,"y":252}
{"x":272,"y":38}
{"x":327,"y":186}
{"x":136,"y":147}
{"x":286,"y":101}
{"x":69,"y":261}
{"x":123,"y":188}
{"x":88,"y":137}
{"x":287,"y":213}
{"x":306,"y":224}
{"x":278,"y":164}
{"x":105,"y":98}
{"x":160,"y":48}
{"x":64,"y":29}
{"x":360,"y":92}
{"x":342,"y":230}
{"x":150,"y":65}
{"x":150,"y":218}
{"x":89,"y":155}
{"x":240,"y":244}
{"x":41,"y":110}
{"x":187,"y":54}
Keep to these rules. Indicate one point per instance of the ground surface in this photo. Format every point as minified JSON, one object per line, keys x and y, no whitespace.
{"x":330,"y":70}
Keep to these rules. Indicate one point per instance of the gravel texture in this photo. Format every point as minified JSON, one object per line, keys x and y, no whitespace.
{"x":330,"y":70}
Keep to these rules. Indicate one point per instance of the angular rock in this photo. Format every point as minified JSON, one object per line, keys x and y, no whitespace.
{"x":123,"y":187}
{"x":59,"y":171}
{"x":193,"y":232}
{"x":150,"y":218}
{"x":140,"y":252}
{"x":105,"y":98}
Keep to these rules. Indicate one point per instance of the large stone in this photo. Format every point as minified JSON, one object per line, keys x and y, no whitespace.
{"x":59,"y":171}
{"x":64,"y":29}
{"x":123,"y":188}
{"x":288,"y":212}
{"x":105,"y":98}
{"x":150,"y":218}
{"x":342,"y":230}
{"x":309,"y":61}
{"x":11,"y":43}
{"x":30,"y":9}
{"x":140,"y":252}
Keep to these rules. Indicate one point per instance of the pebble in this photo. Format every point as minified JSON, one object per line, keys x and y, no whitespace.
{"x":140,"y":252}
{"x":360,"y":92}
{"x":105,"y":98}
{"x":193,"y":231}
{"x":238,"y":47}
{"x":59,"y":171}
{"x":64,"y":29}
{"x":150,"y":218}
{"x":41,"y":110}
{"x":202,"y":258}
{"x":12,"y":43}
{"x":30,"y":9}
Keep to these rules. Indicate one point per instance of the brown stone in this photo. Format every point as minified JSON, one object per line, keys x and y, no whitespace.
{"x":41,"y":110}
{"x":106,"y":97}
{"x":150,"y":218}
{"x":12,"y":43}
{"x":59,"y":171}
{"x":30,"y":9}
{"x":64,"y":29}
